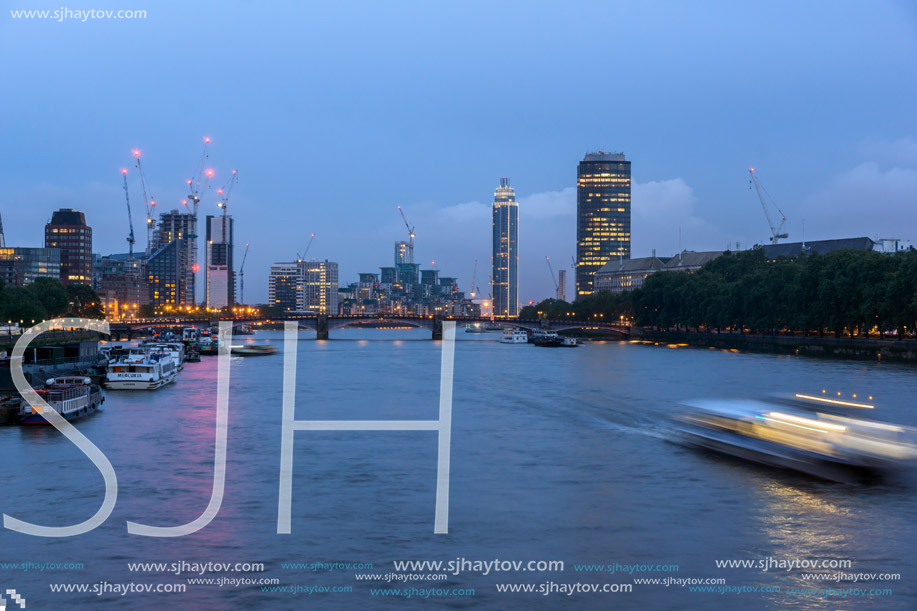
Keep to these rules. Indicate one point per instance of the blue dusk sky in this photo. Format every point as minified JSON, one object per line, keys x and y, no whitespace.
{"x":335,"y":113}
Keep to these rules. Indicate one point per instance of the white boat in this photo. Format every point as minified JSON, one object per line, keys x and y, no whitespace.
{"x":140,"y":371}
{"x":175,"y":350}
{"x":474,"y":328}
{"x":790,"y":436}
{"x":569,"y":342}
{"x":515,"y":336}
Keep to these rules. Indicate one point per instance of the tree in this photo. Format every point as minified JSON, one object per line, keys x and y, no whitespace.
{"x":84,"y":301}
{"x":50,"y":294}
{"x":20,"y":304}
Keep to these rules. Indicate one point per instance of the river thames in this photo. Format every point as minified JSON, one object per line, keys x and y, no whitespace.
{"x":557,"y":455}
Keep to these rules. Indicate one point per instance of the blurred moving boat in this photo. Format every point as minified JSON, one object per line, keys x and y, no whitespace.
{"x":71,"y":396}
{"x":253,"y":350}
{"x":792,"y":433}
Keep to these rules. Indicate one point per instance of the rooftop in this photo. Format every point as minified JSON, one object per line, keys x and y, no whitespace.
{"x":603,"y":156}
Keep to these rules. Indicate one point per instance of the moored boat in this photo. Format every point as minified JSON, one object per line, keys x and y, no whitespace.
{"x":515,"y":336}
{"x":140,"y":371}
{"x":70,"y":396}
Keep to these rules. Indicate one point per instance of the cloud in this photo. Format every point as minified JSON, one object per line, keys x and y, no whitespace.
{"x":876,"y":202}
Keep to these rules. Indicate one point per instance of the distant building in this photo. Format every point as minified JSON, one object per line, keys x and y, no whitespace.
{"x":20,"y":266}
{"x":304,"y":286}
{"x":602,"y":215}
{"x":690,"y":261}
{"x":886,"y":245}
{"x":562,"y":284}
{"x":404,"y":253}
{"x":794,"y":249}
{"x":2,"y":238}
{"x":179,"y":228}
{"x":121,"y":282}
{"x":220,"y":281}
{"x":626,"y":274}
{"x":320,"y":286}
{"x":285,"y":287}
{"x":68,"y":232}
{"x":505,"y":276}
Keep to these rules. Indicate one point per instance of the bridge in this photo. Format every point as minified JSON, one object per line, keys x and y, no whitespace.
{"x":323,"y":324}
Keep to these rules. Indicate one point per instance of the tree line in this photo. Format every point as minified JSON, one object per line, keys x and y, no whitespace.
{"x":851,"y":292}
{"x":47,"y":298}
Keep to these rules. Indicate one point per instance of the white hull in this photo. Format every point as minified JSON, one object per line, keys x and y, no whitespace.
{"x":138,"y":384}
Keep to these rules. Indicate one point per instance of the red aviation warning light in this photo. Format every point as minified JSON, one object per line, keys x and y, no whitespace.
{"x":136,"y":152}
{"x":206,"y":139}
{"x":184,"y":202}
{"x":209,"y":173}
{"x":195,"y":268}
{"x":124,"y":170}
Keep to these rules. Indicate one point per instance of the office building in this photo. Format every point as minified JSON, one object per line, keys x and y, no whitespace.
{"x":602,"y":215}
{"x":121,"y":282}
{"x":68,"y":232}
{"x":219,"y":278}
{"x":167,"y":277}
{"x":562,"y":284}
{"x":20,"y":266}
{"x":505,"y":262}
{"x":178,"y":228}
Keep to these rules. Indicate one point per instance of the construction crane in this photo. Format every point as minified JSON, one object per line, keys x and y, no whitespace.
{"x":242,"y":276}
{"x":408,"y":225}
{"x":553,"y":278}
{"x":474,"y":278}
{"x":130,"y":220}
{"x":300,"y":257}
{"x":777,"y":233}
{"x":224,"y":194}
{"x":198,"y":184}
{"x":148,"y":201}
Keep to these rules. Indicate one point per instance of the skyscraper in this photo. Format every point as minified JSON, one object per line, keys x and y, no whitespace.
{"x":181,"y":228}
{"x":69,"y":232}
{"x":505,"y":251}
{"x":602,"y":215}
{"x":219,"y":276}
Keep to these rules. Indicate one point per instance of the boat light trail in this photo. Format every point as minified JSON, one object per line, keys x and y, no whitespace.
{"x":834,"y":401}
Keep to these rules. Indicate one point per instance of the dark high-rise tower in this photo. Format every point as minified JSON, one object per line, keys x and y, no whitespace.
{"x":69,"y":232}
{"x":602,"y":215}
{"x":505,"y":251}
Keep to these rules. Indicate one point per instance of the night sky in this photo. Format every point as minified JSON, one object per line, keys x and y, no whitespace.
{"x":336,"y":114}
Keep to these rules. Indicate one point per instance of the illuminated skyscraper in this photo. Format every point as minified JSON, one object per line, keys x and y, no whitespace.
{"x":181,"y":228}
{"x":69,"y":232}
{"x":602,"y":215}
{"x":505,"y":251}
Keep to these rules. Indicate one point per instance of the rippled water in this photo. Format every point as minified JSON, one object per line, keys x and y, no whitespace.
{"x":556,"y":455}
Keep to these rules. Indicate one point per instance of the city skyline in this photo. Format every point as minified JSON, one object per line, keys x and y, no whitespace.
{"x":778,"y":108}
